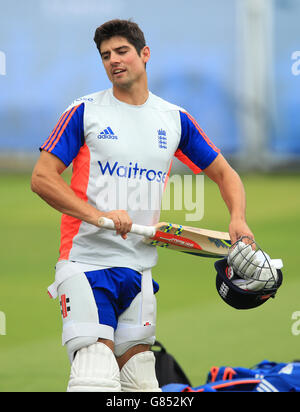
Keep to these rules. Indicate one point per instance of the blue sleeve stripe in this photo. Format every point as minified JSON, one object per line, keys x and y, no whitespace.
{"x":195,"y":149}
{"x":68,"y":135}
{"x":202,"y":133}
{"x":55,"y":130}
{"x":59,"y":129}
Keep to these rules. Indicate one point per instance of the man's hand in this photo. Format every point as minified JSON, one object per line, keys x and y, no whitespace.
{"x":239,"y":228}
{"x":121,"y":220}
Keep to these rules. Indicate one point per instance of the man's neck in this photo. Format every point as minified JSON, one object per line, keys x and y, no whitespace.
{"x":135,"y":96}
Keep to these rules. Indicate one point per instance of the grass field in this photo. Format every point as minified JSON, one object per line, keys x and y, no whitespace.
{"x":196,"y":327}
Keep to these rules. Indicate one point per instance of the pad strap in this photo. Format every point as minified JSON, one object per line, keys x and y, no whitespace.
{"x":147,"y":299}
{"x":72,"y":330}
{"x":63,"y":272}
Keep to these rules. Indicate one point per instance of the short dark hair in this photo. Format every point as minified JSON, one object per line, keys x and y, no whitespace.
{"x":124,"y":28}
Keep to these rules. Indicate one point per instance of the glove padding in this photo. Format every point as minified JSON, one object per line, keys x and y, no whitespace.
{"x":254,"y":267}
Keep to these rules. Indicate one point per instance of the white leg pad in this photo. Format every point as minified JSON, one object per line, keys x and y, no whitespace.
{"x":137,"y":323}
{"x":94,"y":369}
{"x":138,"y":374}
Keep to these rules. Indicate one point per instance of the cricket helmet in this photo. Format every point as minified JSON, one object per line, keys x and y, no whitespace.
{"x":236,"y":296}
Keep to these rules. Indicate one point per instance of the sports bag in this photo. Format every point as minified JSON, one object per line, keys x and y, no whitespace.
{"x":264,"y":377}
{"x":167,"y":368}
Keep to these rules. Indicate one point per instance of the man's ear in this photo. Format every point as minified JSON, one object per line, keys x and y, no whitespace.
{"x":145,"y":54}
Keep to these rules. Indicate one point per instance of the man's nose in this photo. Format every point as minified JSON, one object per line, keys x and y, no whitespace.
{"x":114,"y":58}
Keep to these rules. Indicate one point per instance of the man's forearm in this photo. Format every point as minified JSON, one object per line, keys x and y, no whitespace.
{"x":52,"y":188}
{"x":233,"y":193}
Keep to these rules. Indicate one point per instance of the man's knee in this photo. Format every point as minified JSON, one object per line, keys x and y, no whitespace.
{"x":138,"y":373}
{"x":137,"y":348}
{"x":107,"y":342}
{"x":134,"y":336}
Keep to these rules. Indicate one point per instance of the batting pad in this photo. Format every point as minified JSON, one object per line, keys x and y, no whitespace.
{"x":94,"y":369}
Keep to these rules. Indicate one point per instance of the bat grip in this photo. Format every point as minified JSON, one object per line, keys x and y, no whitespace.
{"x":147,"y":231}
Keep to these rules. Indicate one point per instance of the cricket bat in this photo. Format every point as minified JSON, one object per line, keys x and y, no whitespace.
{"x":192,"y":240}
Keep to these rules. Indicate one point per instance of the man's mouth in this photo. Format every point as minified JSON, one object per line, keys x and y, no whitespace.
{"x":118,"y":71}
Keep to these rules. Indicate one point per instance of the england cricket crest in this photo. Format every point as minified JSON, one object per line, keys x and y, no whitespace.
{"x":162,"y":139}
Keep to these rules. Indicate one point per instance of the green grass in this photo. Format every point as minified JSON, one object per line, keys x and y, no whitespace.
{"x":196,"y":327}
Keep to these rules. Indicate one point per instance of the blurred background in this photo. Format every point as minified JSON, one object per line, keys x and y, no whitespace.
{"x":235,"y":66}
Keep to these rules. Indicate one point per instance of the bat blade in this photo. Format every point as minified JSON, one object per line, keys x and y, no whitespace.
{"x":191,"y":240}
{"x":187,"y":239}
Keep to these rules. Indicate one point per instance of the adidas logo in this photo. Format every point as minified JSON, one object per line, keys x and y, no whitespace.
{"x":107,"y":134}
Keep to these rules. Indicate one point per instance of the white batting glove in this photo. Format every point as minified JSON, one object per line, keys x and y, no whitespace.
{"x":256,"y":267}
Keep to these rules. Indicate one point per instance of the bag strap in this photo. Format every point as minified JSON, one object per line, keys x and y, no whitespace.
{"x":161,"y":346}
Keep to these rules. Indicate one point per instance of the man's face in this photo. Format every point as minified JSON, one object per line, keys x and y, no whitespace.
{"x":121,"y":61}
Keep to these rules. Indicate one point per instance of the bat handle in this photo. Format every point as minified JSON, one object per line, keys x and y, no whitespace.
{"x":148,"y":231}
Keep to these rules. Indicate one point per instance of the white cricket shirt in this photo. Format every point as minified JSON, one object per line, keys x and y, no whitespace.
{"x":121,"y":157}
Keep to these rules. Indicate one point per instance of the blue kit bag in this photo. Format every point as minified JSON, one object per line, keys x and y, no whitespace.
{"x":264,"y":377}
